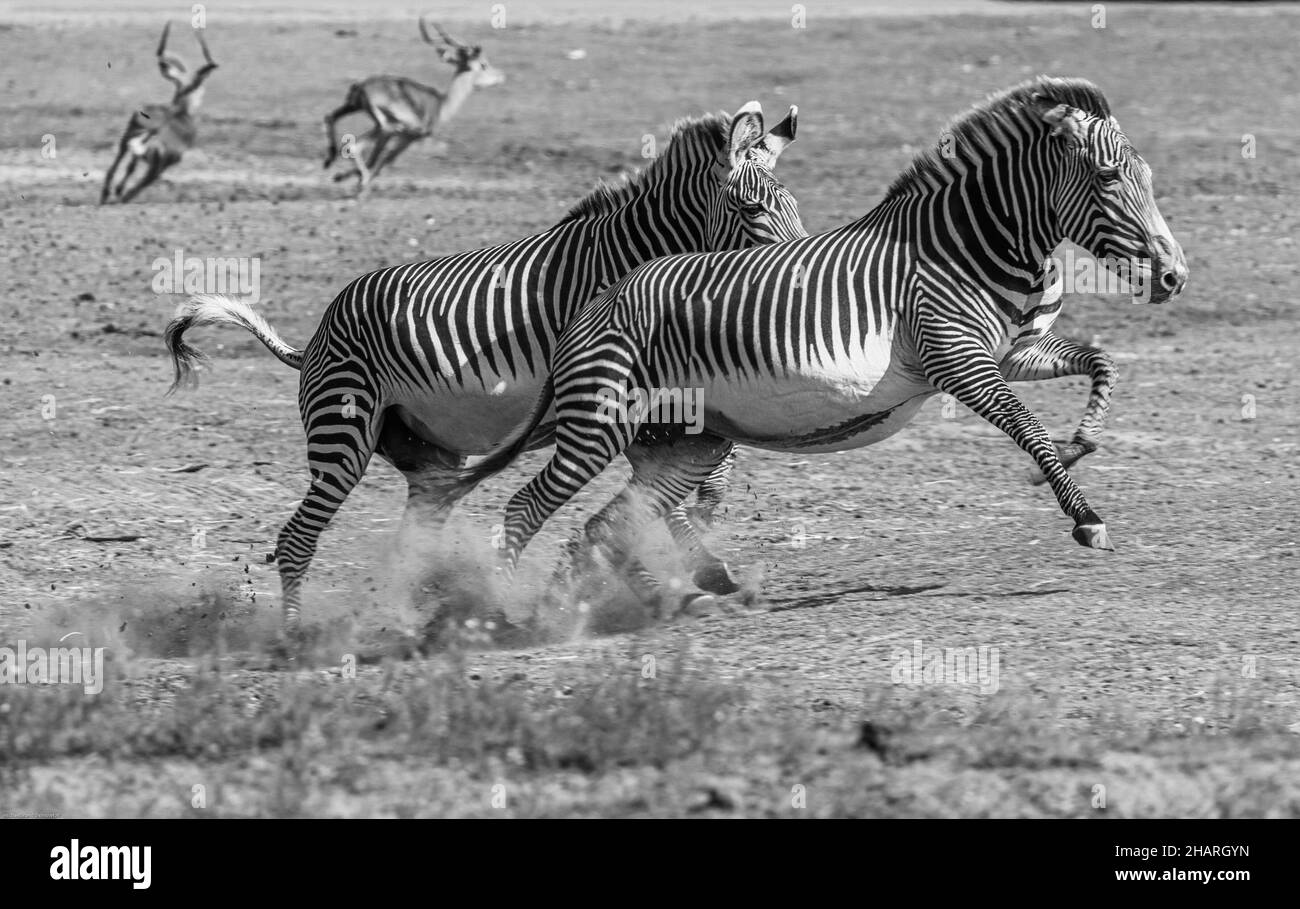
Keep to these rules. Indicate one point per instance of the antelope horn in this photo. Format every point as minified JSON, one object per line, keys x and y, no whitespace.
{"x":447,"y":39}
{"x":162,"y":45}
{"x":198,"y":33}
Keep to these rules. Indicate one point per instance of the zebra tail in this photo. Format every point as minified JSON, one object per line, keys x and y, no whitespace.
{"x":469,"y":477}
{"x":213,"y":309}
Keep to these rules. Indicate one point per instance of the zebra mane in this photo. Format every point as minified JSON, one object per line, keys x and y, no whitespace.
{"x":985,"y":121}
{"x":709,"y":131}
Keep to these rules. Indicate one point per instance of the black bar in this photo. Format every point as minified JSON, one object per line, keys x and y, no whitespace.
{"x":327,"y":859}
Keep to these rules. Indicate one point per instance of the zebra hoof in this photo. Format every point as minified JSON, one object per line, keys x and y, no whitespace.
{"x":694,"y":605}
{"x":1094,"y":536}
{"x":715,"y":578}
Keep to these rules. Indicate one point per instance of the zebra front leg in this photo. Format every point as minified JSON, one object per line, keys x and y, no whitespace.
{"x":965,"y":369}
{"x":1054,"y":357}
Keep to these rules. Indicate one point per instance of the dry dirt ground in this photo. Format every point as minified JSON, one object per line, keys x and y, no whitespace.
{"x":1160,"y":680}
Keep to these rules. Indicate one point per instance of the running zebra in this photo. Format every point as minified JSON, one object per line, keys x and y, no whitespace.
{"x":430,"y":362}
{"x":835,"y":341}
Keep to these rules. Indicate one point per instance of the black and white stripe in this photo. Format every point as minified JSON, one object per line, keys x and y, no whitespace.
{"x":428,"y":363}
{"x":834,"y":341}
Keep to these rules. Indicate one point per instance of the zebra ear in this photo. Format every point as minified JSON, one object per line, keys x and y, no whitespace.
{"x":746,"y":129}
{"x":1063,"y":119}
{"x":782,"y":134}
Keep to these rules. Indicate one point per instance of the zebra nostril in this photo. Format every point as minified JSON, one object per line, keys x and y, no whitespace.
{"x":1169,"y":281}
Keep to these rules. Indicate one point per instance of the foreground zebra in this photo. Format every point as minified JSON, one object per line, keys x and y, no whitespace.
{"x":835,"y":341}
{"x":429,"y":362}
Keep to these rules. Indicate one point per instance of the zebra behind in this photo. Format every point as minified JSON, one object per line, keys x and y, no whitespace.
{"x":835,"y":341}
{"x":430,"y":362}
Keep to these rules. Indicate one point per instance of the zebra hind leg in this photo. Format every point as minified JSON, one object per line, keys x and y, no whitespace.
{"x":662,"y":476}
{"x":432,"y":495}
{"x":710,"y":572}
{"x":684,"y":524}
{"x":428,"y":469}
{"x":334,"y":474}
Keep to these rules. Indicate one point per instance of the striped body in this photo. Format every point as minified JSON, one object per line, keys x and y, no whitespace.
{"x":456,"y":349}
{"x":459,"y":346}
{"x":834,"y":342}
{"x":430,"y":362}
{"x":800,"y":346}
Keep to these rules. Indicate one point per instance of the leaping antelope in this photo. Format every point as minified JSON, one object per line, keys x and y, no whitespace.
{"x":404,"y":110}
{"x":158,"y":134}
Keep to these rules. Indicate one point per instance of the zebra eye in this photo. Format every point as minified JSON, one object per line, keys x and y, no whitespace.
{"x":752,"y":209}
{"x":1109,"y":175}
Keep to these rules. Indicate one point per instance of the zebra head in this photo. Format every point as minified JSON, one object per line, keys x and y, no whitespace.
{"x":753,"y":207}
{"x":1105,"y":202}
